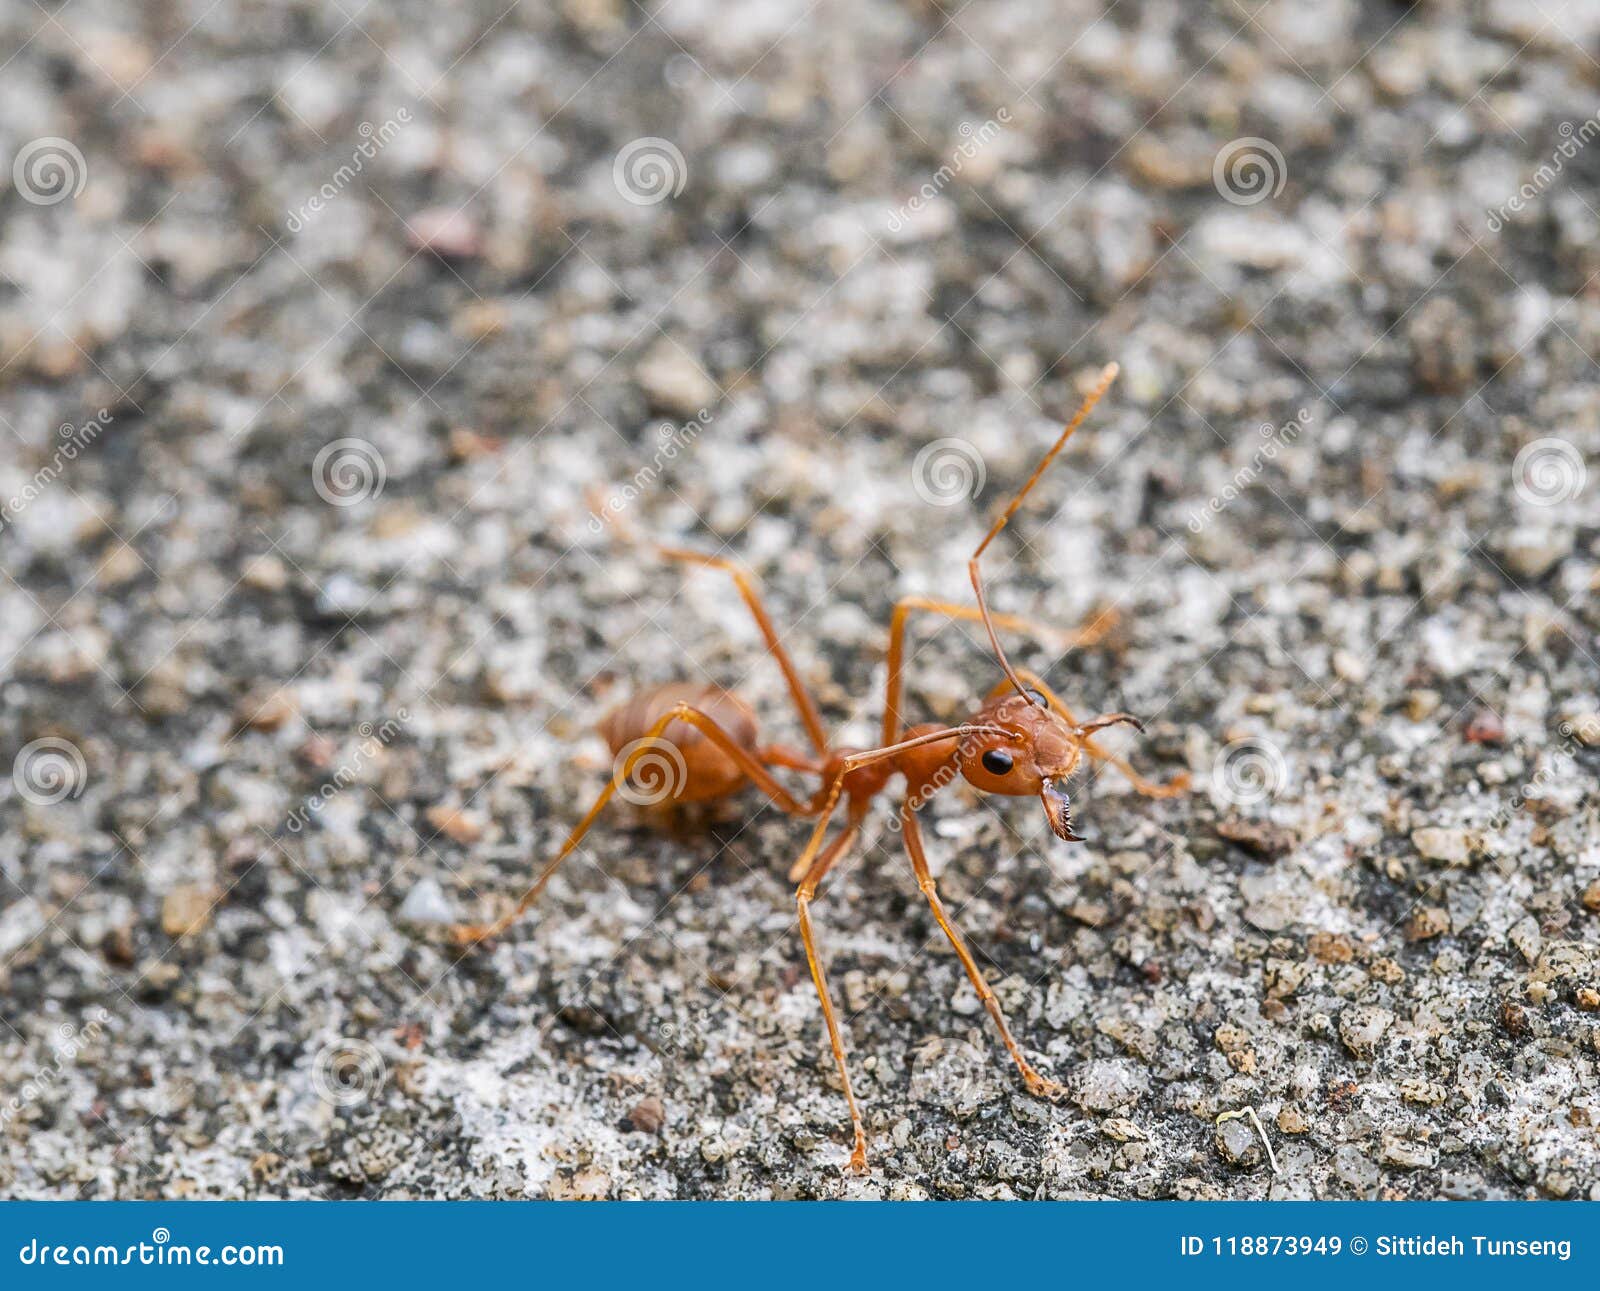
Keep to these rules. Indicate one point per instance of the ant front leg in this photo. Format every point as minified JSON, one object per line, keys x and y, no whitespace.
{"x":803,"y":898}
{"x":1038,"y":1085}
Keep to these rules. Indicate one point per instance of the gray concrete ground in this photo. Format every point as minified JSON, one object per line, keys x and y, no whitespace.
{"x":341,"y":343}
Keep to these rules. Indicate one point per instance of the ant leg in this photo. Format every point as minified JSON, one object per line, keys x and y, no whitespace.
{"x":1094,"y":630}
{"x":1107,"y":375}
{"x":781,"y":755}
{"x":752,"y":598}
{"x":466,"y":934}
{"x":803,"y":897}
{"x":1171,"y":789}
{"x":1037,"y":1084}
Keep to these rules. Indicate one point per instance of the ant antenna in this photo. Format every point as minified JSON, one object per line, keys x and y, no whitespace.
{"x":1108,"y":374}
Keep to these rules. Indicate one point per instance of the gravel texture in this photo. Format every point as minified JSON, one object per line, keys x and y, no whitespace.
{"x":345,"y":347}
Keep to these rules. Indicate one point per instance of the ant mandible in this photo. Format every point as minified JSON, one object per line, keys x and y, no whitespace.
{"x":1023,"y":741}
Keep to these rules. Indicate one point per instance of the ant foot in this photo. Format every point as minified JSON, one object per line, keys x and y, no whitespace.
{"x":1039,"y":1087}
{"x":471,"y":934}
{"x":858,"y":1159}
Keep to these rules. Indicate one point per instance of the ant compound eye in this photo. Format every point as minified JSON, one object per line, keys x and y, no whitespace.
{"x":997,"y":762}
{"x":1036,"y":699}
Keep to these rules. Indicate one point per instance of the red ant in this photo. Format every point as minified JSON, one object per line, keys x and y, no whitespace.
{"x":1023,"y":741}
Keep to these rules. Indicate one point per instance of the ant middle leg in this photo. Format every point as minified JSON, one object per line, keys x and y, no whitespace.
{"x":804,"y":705}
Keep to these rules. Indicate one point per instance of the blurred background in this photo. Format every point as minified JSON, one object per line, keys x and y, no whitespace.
{"x":344,"y":348}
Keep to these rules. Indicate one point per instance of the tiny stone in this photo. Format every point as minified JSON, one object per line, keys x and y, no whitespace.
{"x":1291,"y":1120}
{"x":1426,"y":922}
{"x":266,"y":573}
{"x":1238,"y":1142}
{"x":1349,"y":666}
{"x":1408,"y":1154}
{"x":1361,"y":1026}
{"x":1354,"y":1169}
{"x":674,"y":382}
{"x":648,"y":1115}
{"x":1421,"y":703}
{"x":186,"y":909}
{"x":426,"y":903}
{"x":1485,"y":727}
{"x":264,"y":712}
{"x":1447,"y":846}
{"x":1426,"y":1092}
{"x":445,"y":232}
{"x":1524,"y":935}
{"x":455,"y":824}
{"x":1531,"y":552}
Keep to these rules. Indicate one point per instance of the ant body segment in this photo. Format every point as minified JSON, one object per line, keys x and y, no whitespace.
{"x":702,"y":743}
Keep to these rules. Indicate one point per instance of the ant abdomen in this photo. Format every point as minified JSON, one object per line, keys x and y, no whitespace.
{"x":693,"y":769}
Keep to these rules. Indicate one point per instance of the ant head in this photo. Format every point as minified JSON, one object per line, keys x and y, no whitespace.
{"x":1029,"y":749}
